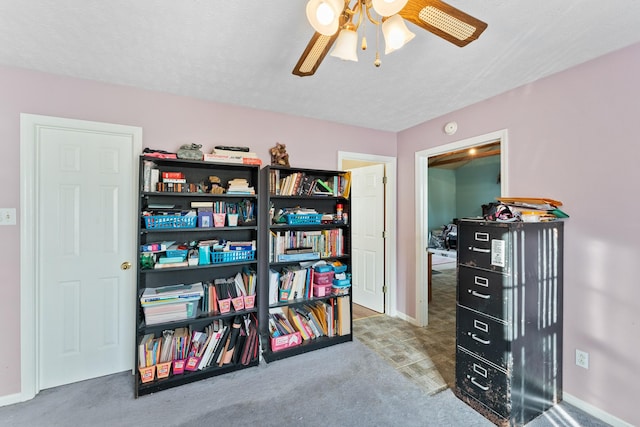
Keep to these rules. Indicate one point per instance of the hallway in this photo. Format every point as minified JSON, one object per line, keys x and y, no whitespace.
{"x":424,"y":355}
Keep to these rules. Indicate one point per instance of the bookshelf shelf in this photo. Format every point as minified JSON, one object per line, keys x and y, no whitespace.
{"x":189,"y":377}
{"x":181,"y":299}
{"x":283,"y":190}
{"x":198,"y":230}
{"x":305,"y":347}
{"x":196,"y":267}
{"x":201,"y":320}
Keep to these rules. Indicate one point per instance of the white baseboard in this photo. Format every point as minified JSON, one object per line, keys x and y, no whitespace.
{"x":406,"y":318}
{"x":596,"y":412}
{"x":11,"y":399}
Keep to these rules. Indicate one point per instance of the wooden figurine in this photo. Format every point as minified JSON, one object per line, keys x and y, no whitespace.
{"x":279,"y":155}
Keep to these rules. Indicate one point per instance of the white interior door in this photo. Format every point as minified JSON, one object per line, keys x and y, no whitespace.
{"x":85,"y":230}
{"x":367,"y":206}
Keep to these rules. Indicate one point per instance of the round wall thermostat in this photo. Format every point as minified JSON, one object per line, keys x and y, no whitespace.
{"x":450,"y":128}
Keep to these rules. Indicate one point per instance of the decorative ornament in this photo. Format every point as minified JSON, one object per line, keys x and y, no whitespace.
{"x":190,"y":152}
{"x":279,"y":155}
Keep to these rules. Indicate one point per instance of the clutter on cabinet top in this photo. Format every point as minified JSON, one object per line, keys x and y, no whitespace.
{"x":231,"y":154}
{"x":190,"y":152}
{"x":525,"y":209}
{"x":150,"y":152}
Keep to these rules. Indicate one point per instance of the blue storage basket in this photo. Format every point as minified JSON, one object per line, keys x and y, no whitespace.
{"x":170,"y":221}
{"x":303,"y":219}
{"x":340,"y":268}
{"x":232,"y":256}
{"x":341,"y":283}
{"x":177,"y":253}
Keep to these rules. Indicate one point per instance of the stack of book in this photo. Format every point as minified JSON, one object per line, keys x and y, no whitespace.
{"x":239,"y":186}
{"x":174,"y":182}
{"x":171,"y":303}
{"x":239,"y":155}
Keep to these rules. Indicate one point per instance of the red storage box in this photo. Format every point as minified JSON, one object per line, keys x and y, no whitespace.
{"x":322,"y":290}
{"x":323,"y":278}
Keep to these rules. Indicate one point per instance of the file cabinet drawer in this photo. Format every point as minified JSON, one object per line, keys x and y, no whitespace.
{"x":485,"y":291}
{"x":483,"y":382}
{"x":484,"y":247}
{"x":483,"y":336}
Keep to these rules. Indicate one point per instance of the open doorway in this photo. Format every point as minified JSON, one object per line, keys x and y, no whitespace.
{"x":454,"y":152}
{"x":385,"y":222}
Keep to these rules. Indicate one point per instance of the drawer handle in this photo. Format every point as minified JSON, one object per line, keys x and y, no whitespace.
{"x":481,"y":237}
{"x":480,"y":340}
{"x":479,"y":295}
{"x":477,"y":384}
{"x":481,"y":250}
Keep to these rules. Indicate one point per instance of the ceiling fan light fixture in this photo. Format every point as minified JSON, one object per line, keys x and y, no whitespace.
{"x":346,"y":46}
{"x":388,"y":7}
{"x":324,"y":15}
{"x":396,"y":34}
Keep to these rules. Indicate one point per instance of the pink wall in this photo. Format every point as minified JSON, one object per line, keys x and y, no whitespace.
{"x":167,"y":121}
{"x":572,"y":137}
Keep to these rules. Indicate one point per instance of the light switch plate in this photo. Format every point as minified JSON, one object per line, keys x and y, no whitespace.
{"x":7,"y":216}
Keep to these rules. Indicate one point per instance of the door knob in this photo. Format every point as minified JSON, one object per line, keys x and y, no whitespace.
{"x":125,"y":265}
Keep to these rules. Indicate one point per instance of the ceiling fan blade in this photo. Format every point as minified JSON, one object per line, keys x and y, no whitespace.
{"x":444,"y":20}
{"x":313,"y":54}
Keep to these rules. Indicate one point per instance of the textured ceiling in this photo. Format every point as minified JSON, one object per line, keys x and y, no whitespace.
{"x":242,"y":53}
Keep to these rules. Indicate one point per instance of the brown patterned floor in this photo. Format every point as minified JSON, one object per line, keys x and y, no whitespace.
{"x":424,"y":355}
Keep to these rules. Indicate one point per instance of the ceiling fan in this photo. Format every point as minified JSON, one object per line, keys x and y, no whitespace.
{"x":434,"y":16}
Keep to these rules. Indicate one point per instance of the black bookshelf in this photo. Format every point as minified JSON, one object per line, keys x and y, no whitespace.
{"x":272,"y":200}
{"x":173,"y":203}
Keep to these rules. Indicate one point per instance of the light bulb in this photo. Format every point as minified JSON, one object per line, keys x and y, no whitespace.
{"x":325,"y":14}
{"x":396,"y":38}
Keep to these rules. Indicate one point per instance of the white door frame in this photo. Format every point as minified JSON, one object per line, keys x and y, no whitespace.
{"x":390,"y":221}
{"x":30,"y":125}
{"x":422,"y":193}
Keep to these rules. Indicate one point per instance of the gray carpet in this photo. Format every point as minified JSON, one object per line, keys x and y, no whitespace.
{"x":344,"y":385}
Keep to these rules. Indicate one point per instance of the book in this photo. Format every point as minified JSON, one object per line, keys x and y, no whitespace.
{"x":172,"y":291}
{"x":220,"y":158}
{"x":240,"y":153}
{"x":241,"y":246}
{"x":172,"y":175}
{"x":142,"y":349}
{"x":171,"y":265}
{"x":274,"y":281}
{"x":324,"y":187}
{"x":303,"y":256}
{"x":156,"y":246}
{"x":299,"y":250}
{"x":147,"y":166}
{"x":344,"y":315}
{"x":154,"y":180}
{"x":202,"y":204}
{"x":346,"y":188}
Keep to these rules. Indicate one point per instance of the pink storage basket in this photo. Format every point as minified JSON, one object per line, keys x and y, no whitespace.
{"x":323,"y":278}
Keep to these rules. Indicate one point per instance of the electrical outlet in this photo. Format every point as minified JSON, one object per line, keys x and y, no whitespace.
{"x":7,"y":216}
{"x":582,"y":359}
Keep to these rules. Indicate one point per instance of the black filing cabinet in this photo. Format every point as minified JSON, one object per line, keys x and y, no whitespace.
{"x":509,"y":318}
